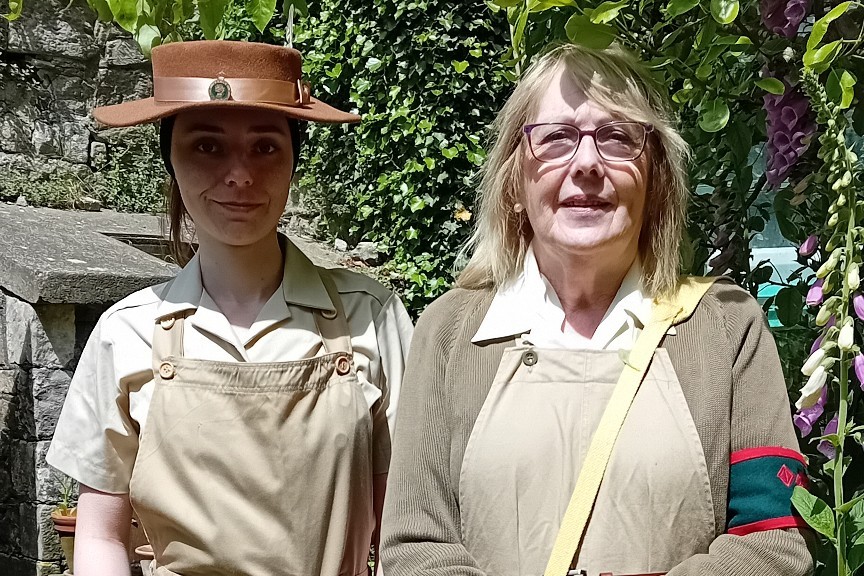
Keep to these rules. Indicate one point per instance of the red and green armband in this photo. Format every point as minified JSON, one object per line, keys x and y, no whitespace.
{"x":761,"y":481}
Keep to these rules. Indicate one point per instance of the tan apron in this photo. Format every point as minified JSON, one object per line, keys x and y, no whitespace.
{"x":654,"y":508}
{"x":256,"y":468}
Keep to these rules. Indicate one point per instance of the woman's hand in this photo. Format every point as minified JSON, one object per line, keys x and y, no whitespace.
{"x":102,"y":533}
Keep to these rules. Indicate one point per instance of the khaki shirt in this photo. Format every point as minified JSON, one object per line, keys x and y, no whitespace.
{"x":96,"y":439}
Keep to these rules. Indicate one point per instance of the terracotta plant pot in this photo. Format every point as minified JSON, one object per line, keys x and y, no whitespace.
{"x":64,"y":524}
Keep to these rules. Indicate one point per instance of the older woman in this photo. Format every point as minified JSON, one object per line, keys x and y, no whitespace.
{"x":581,"y":213}
{"x":241,"y":409}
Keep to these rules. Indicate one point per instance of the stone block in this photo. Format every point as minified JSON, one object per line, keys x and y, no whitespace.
{"x":49,"y":481}
{"x":7,"y":384}
{"x":46,"y":140}
{"x":49,"y":569}
{"x":28,"y":529}
{"x":14,"y":134}
{"x":98,"y":155}
{"x":20,"y":319}
{"x":72,"y":89}
{"x":75,"y":142}
{"x":115,"y":85}
{"x":47,"y":541}
{"x":23,"y":467}
{"x":123,"y":51}
{"x":54,"y":28}
{"x":12,"y":565}
{"x":53,"y":336}
{"x":49,"y":392}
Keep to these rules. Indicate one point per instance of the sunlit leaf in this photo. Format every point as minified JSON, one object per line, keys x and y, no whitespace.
{"x":543,"y":5}
{"x":821,"y":58}
{"x":714,"y":116}
{"x":102,"y":9}
{"x":841,"y":87}
{"x":15,"y":7}
{"x":724,"y":11}
{"x":147,"y":37}
{"x":459,"y":65}
{"x":771,"y":85}
{"x":816,"y":512}
{"x":607,"y":11}
{"x":820,"y":27}
{"x":581,"y":30}
{"x":125,"y":13}
{"x":261,"y":12}
{"x":678,"y":7}
{"x":211,"y":13}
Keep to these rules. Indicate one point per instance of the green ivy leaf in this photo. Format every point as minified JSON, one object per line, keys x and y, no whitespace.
{"x":816,"y":512}
{"x":841,"y":87}
{"x":714,"y":116}
{"x":820,"y":59}
{"x":459,"y":65}
{"x":210,"y":14}
{"x":724,"y":11}
{"x":102,"y":9}
{"x":820,"y":27}
{"x":607,"y":11}
{"x":789,"y":304}
{"x":581,"y":30}
{"x":125,"y":13}
{"x":678,"y":7}
{"x":373,"y":64}
{"x":450,"y":152}
{"x":261,"y":12}
{"x":771,"y":85}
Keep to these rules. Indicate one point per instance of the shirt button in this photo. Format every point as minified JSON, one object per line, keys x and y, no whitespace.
{"x":167,"y":323}
{"x":166,"y":370}
{"x":529,"y":358}
{"x":328,"y":314}
{"x":343,"y":365}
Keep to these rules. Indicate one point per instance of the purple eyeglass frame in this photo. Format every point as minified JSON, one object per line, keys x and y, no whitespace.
{"x":527,"y":128}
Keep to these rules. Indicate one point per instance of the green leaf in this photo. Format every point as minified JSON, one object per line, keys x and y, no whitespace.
{"x":771,"y":85}
{"x":125,"y":13}
{"x":714,"y":116}
{"x":724,"y":11}
{"x":740,"y":138}
{"x":261,"y":12}
{"x":821,"y":58}
{"x":102,"y":9}
{"x":147,"y":37}
{"x":841,"y":87}
{"x":855,"y":554}
{"x":211,"y":13}
{"x":816,"y":512}
{"x":373,"y":64}
{"x":300,"y":7}
{"x":535,"y":6}
{"x":581,"y":30}
{"x":15,"y":7}
{"x":789,"y":304}
{"x":677,"y":7}
{"x":459,"y":65}
{"x":450,"y":152}
{"x":607,"y":11}
{"x":820,"y":27}
{"x":505,"y":3}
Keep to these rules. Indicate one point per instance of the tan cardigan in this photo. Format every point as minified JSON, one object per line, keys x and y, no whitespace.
{"x":729,"y":370}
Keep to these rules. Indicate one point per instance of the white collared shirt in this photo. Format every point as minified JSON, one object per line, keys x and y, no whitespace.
{"x":96,"y":435}
{"x":529,"y":307}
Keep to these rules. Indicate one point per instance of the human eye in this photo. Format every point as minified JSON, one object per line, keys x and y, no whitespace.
{"x":267,"y":147}
{"x":208,"y":146}
{"x":623,"y":133}
{"x":554,"y":134}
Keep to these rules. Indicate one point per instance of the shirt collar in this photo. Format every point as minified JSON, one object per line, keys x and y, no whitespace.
{"x":301,"y":284}
{"x":516,"y":307}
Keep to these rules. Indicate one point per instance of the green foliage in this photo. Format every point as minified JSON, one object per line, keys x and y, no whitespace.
{"x":425,"y":76}
{"x":133,"y":178}
{"x":58,"y":189}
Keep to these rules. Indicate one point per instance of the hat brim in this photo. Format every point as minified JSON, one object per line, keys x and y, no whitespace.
{"x":148,"y":110}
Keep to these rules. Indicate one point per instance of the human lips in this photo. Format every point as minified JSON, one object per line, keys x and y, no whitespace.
{"x":238,"y":206}
{"x":590,"y":202}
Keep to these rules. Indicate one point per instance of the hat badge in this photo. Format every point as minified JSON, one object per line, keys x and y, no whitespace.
{"x":219,"y":89}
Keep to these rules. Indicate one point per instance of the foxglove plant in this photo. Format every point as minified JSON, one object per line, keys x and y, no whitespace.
{"x":783,"y":17}
{"x":790,"y":127}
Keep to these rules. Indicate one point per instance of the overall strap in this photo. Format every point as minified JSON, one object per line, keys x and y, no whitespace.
{"x":167,"y":339}
{"x":665,"y":314}
{"x":333,"y":324}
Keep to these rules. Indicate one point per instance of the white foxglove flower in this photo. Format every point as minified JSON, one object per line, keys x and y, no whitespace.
{"x":847,"y":337}
{"x":812,"y":389}
{"x":813,"y":362}
{"x":852,"y":278}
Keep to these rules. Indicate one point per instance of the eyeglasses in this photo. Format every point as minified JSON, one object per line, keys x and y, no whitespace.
{"x":615,"y":141}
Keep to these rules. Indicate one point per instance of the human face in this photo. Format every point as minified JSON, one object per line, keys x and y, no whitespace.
{"x":234,"y":170}
{"x":586,"y":206}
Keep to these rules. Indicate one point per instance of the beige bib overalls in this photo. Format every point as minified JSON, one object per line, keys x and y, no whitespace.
{"x":259,"y":469}
{"x":654,"y":508}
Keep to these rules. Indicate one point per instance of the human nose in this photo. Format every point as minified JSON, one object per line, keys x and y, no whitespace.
{"x":238,"y":173}
{"x":587,"y":159}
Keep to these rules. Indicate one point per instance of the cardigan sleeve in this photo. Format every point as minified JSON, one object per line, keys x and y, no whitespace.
{"x":421,"y":533}
{"x":763,"y":438}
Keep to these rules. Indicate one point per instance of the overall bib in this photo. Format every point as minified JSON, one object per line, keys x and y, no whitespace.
{"x":256,"y":468}
{"x":654,"y":508}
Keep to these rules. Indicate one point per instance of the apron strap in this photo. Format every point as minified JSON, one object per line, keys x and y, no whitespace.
{"x":168,"y":339}
{"x":333,"y":324}
{"x":665,"y":314}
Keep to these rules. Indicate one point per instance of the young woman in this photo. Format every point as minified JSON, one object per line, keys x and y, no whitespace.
{"x":241,"y":410}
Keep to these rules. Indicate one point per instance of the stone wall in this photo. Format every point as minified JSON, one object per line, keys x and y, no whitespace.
{"x":56,"y":63}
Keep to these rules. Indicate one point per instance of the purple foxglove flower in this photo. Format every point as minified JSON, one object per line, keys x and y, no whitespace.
{"x":825,"y":447}
{"x":818,"y":342}
{"x":858,"y":305}
{"x":858,"y":366}
{"x":809,"y":246}
{"x":806,"y":417}
{"x":814,"y":295}
{"x":783,"y":16}
{"x":790,"y":128}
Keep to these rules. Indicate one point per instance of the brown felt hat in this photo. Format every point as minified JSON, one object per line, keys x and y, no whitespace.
{"x":223,"y":74}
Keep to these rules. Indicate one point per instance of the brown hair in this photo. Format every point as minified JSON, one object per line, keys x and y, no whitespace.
{"x":616,"y":80}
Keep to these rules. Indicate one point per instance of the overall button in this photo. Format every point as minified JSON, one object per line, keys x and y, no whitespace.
{"x":328,"y":314}
{"x":343,"y":365}
{"x":166,"y":370}
{"x":167,"y":323}
{"x":529,"y":357}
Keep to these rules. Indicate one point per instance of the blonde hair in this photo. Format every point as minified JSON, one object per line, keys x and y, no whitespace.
{"x":616,"y":80}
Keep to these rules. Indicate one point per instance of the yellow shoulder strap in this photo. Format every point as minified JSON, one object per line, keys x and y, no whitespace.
{"x":666,"y":313}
